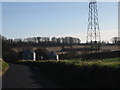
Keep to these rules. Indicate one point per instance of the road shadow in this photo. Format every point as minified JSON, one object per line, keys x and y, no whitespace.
{"x":39,"y":78}
{"x":24,"y":76}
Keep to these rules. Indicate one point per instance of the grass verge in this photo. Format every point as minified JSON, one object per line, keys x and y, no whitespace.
{"x":3,"y":67}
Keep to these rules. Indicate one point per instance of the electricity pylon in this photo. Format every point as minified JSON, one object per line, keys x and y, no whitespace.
{"x":93,"y":30}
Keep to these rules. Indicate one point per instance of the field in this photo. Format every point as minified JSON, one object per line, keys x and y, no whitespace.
{"x":58,"y":48}
{"x":81,"y":74}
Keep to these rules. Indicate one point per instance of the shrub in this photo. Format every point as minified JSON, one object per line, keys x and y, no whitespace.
{"x":41,"y":52}
{"x":8,"y":54}
{"x":83,"y":74}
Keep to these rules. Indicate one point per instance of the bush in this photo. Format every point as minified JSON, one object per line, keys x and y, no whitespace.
{"x":41,"y":52}
{"x":82,"y":75}
{"x":102,"y":55}
{"x":8,"y":54}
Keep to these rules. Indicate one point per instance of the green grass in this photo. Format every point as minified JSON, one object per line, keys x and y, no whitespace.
{"x":3,"y":67}
{"x":81,"y":74}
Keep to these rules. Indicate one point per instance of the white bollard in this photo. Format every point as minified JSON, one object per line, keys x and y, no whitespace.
{"x":57,"y":57}
{"x":34,"y":56}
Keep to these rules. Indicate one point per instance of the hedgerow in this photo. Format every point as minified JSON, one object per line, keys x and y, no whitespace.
{"x":80,"y":74}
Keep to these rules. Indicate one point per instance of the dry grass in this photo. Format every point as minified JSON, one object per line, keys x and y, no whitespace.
{"x":58,"y":48}
{"x":109,"y":48}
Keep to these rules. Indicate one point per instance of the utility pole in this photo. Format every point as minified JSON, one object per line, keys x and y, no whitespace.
{"x":93,"y":30}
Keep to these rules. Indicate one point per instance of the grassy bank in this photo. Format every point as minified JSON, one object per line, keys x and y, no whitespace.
{"x":81,"y":74}
{"x":3,"y":67}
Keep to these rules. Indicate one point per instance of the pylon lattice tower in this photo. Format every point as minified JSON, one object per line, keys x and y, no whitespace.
{"x":93,"y":30}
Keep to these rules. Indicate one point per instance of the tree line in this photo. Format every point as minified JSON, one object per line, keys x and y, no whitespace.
{"x":8,"y":54}
{"x":44,"y":41}
{"x":47,"y":41}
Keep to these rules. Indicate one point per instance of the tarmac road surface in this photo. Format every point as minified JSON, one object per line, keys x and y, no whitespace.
{"x":21,"y":76}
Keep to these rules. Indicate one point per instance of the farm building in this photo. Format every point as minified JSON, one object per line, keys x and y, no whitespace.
{"x":53,"y":56}
{"x":28,"y":55}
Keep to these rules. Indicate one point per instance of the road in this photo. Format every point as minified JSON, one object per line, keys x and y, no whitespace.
{"x":21,"y":76}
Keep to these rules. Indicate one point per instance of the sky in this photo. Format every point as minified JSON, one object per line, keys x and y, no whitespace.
{"x":119,"y":20}
{"x":57,"y":0}
{"x":60,"y":19}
